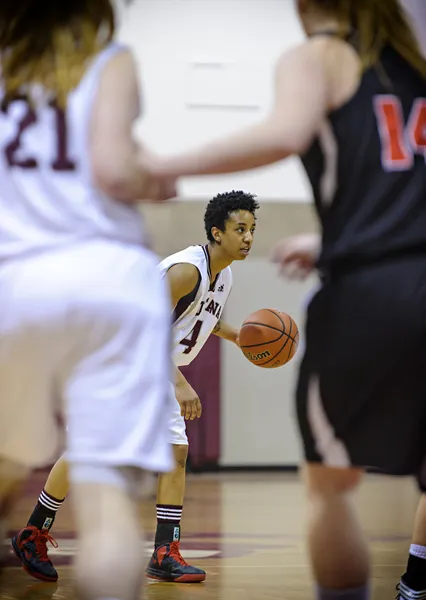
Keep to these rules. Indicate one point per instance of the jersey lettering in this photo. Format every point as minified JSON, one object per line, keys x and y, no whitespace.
{"x":212,"y":307}
{"x":400,"y":142}
{"x":62,"y":162}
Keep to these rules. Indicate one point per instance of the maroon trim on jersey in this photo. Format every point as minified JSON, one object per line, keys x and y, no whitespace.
{"x":185,"y":302}
{"x":207,"y":255}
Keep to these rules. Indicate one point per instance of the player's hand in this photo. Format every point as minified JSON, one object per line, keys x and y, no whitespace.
{"x":297,"y":255}
{"x":190,"y":405}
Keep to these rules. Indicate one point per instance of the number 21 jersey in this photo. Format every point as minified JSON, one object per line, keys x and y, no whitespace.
{"x":196,"y":315}
{"x":48,"y":196}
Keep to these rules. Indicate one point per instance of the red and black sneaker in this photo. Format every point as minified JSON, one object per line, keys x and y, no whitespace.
{"x":167,"y":564}
{"x":30,"y":547}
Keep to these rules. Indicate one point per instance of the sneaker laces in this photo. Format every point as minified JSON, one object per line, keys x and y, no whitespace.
{"x":40,"y":539}
{"x":175,"y":553}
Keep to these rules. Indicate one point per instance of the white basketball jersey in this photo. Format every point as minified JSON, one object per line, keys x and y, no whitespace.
{"x":47,"y":194}
{"x":196,"y":317}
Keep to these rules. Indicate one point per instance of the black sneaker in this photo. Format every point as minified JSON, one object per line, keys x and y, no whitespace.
{"x":167,"y":564}
{"x":30,"y":547}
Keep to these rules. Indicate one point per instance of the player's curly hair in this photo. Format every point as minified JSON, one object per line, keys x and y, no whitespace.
{"x":220,"y":208}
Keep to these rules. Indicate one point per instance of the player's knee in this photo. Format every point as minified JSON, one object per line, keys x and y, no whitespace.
{"x":325,"y":481}
{"x":181,"y":455}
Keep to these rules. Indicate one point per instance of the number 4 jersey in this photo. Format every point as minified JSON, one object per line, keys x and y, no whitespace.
{"x":196,"y":315}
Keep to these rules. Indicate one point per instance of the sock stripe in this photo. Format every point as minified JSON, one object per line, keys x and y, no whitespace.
{"x":409,"y":594}
{"x":49,"y":502}
{"x":170,"y":514}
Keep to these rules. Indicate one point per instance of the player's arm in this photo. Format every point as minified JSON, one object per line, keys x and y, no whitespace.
{"x":115,"y":156}
{"x":300,"y":104}
{"x":226,"y":332}
{"x":182,"y":279}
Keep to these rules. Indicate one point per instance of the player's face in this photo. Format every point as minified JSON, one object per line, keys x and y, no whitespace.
{"x":237,"y":238}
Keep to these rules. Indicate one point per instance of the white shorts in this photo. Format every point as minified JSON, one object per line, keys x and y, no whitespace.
{"x":177,"y":426}
{"x":85,"y":333}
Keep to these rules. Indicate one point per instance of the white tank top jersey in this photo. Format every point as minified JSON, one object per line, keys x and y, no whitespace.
{"x":197,"y":314}
{"x":47,"y":194}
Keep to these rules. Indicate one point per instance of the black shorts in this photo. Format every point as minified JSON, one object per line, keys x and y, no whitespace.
{"x":361,"y":394}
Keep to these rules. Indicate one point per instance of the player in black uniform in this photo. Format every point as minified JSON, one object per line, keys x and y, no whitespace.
{"x":351,"y":102}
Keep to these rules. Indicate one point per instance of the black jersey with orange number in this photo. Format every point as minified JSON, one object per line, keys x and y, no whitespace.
{"x":367,"y":168}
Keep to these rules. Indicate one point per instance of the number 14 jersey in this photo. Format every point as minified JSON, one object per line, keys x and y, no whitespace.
{"x":367,"y":169}
{"x":196,"y":315}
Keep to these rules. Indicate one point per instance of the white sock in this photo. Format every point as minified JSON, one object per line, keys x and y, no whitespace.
{"x":419,"y":551}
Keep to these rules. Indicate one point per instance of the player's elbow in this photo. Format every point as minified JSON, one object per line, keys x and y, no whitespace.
{"x":285,"y":142}
{"x":116,"y":186}
{"x":119,"y":179}
{"x":289,"y":136}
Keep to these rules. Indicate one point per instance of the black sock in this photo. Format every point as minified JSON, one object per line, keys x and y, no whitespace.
{"x":168,"y":524}
{"x":415,"y":576}
{"x":45,"y":511}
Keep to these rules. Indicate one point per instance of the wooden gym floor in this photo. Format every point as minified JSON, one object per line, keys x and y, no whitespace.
{"x":246,"y":530}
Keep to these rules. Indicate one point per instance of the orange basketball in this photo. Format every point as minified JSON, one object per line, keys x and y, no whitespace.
{"x":269,"y":338}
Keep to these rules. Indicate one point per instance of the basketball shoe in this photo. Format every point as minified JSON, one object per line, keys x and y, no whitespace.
{"x":30,"y":547}
{"x":167,"y":564}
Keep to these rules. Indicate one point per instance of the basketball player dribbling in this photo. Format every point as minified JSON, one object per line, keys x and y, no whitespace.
{"x":84,"y":328}
{"x":351,"y":102}
{"x":200,"y":280}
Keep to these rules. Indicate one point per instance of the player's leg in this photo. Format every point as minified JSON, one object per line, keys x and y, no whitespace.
{"x":26,"y":347}
{"x":355,"y":390}
{"x":111,"y":551}
{"x":170,"y":495}
{"x":117,"y":416}
{"x":333,"y":524}
{"x":167,"y":563}
{"x":343,"y":571}
{"x":30,"y":544}
{"x":413,"y":582}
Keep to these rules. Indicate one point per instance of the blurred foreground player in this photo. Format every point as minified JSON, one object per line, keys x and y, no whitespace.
{"x":351,"y":102}
{"x":84,"y":329}
{"x":200,"y":280}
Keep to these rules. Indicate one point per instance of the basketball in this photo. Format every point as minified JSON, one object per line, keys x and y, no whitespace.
{"x":269,"y":338}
